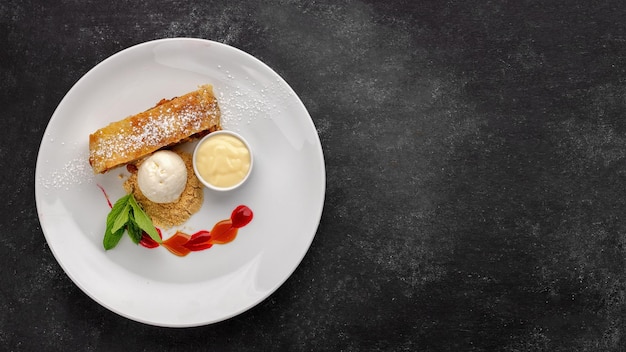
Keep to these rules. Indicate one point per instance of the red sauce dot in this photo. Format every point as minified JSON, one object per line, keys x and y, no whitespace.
{"x":241,"y":216}
{"x":176,"y":244}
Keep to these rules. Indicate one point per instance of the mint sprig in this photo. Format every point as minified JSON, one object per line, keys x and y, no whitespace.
{"x":127,"y":216}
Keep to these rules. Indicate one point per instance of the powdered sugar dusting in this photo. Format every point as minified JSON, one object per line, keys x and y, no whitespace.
{"x":75,"y":171}
{"x":243,"y":104}
{"x":158,"y":128}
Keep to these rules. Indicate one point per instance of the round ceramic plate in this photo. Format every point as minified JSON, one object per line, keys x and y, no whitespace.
{"x":285,"y":190}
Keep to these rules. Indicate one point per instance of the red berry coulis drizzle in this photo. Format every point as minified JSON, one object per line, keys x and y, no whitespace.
{"x":181,"y":244}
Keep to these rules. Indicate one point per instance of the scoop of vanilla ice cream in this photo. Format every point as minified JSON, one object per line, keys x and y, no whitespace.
{"x":162,"y":177}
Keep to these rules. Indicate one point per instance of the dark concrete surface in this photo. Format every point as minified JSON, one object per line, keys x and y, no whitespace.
{"x":475,"y":172}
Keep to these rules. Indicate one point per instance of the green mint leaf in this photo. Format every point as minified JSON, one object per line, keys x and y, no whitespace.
{"x":116,"y":210}
{"x":134,"y":232}
{"x":143,"y":220}
{"x":127,"y":215}
{"x":121,"y":219}
{"x":111,"y":239}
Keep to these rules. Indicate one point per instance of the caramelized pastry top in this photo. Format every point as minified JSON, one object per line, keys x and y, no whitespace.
{"x":169,"y":122}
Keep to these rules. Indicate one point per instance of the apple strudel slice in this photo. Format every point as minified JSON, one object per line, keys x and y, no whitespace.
{"x":170,"y":122}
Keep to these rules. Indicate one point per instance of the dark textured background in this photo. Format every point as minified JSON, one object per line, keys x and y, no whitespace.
{"x":475,"y":162}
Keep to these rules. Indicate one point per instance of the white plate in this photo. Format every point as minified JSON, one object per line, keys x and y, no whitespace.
{"x":285,"y":191}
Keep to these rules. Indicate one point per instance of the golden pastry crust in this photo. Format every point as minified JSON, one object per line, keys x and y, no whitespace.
{"x":168,"y":123}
